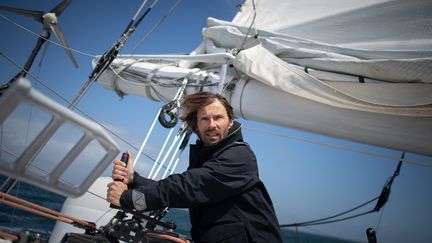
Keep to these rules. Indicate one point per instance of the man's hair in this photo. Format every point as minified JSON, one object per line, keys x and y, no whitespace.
{"x":193,"y":102}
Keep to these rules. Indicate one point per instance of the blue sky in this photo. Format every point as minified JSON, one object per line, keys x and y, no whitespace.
{"x":306,"y":180}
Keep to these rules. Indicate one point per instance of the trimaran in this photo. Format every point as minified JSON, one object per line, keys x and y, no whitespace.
{"x":325,"y":68}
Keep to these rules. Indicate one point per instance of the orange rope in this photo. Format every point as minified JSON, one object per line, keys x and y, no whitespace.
{"x":167,"y":237}
{"x":13,"y":201}
{"x":8,"y":236}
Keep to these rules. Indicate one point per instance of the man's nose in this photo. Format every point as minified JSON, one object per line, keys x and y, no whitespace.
{"x":212,"y":123}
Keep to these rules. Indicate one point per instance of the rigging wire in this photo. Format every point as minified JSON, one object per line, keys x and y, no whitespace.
{"x":341,"y":219}
{"x":379,"y":220}
{"x":327,"y":219}
{"x":107,"y":58}
{"x":381,"y":200}
{"x":360,"y":151}
{"x":31,"y":107}
{"x":249,"y":29}
{"x":48,"y":40}
{"x":156,"y":26}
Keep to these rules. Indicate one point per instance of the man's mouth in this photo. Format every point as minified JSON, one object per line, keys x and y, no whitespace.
{"x":212,"y":134}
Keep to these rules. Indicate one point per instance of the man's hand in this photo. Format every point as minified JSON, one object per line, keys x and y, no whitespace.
{"x":114,"y":192}
{"x":121,"y":172}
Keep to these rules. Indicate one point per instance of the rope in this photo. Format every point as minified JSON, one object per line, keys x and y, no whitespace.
{"x":326,"y":219}
{"x":250,"y":27}
{"x":15,"y":202}
{"x":379,"y":220}
{"x":167,"y":237}
{"x":121,"y":71}
{"x":342,"y":219}
{"x":381,"y":201}
{"x":8,"y":236}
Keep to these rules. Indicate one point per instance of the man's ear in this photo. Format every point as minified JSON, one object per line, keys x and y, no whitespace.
{"x":230,"y":124}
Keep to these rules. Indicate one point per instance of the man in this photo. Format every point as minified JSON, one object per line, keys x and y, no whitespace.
{"x":226,"y":199}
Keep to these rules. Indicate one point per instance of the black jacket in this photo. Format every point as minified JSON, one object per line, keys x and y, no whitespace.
{"x":226,"y":199}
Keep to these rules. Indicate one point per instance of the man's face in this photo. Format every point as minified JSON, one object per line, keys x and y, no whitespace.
{"x":213,"y":123}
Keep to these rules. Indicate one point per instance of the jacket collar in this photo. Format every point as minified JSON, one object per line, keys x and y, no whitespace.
{"x":200,"y":152}
{"x":234,"y":133}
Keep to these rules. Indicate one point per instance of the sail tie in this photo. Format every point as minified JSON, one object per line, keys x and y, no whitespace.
{"x":117,"y":71}
{"x":150,"y":77}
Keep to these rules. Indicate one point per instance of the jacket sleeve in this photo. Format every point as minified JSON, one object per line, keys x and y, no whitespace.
{"x":128,"y":199}
{"x":232,"y":172}
{"x":139,"y":180}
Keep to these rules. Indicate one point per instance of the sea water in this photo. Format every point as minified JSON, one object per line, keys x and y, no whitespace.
{"x":16,"y":220}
